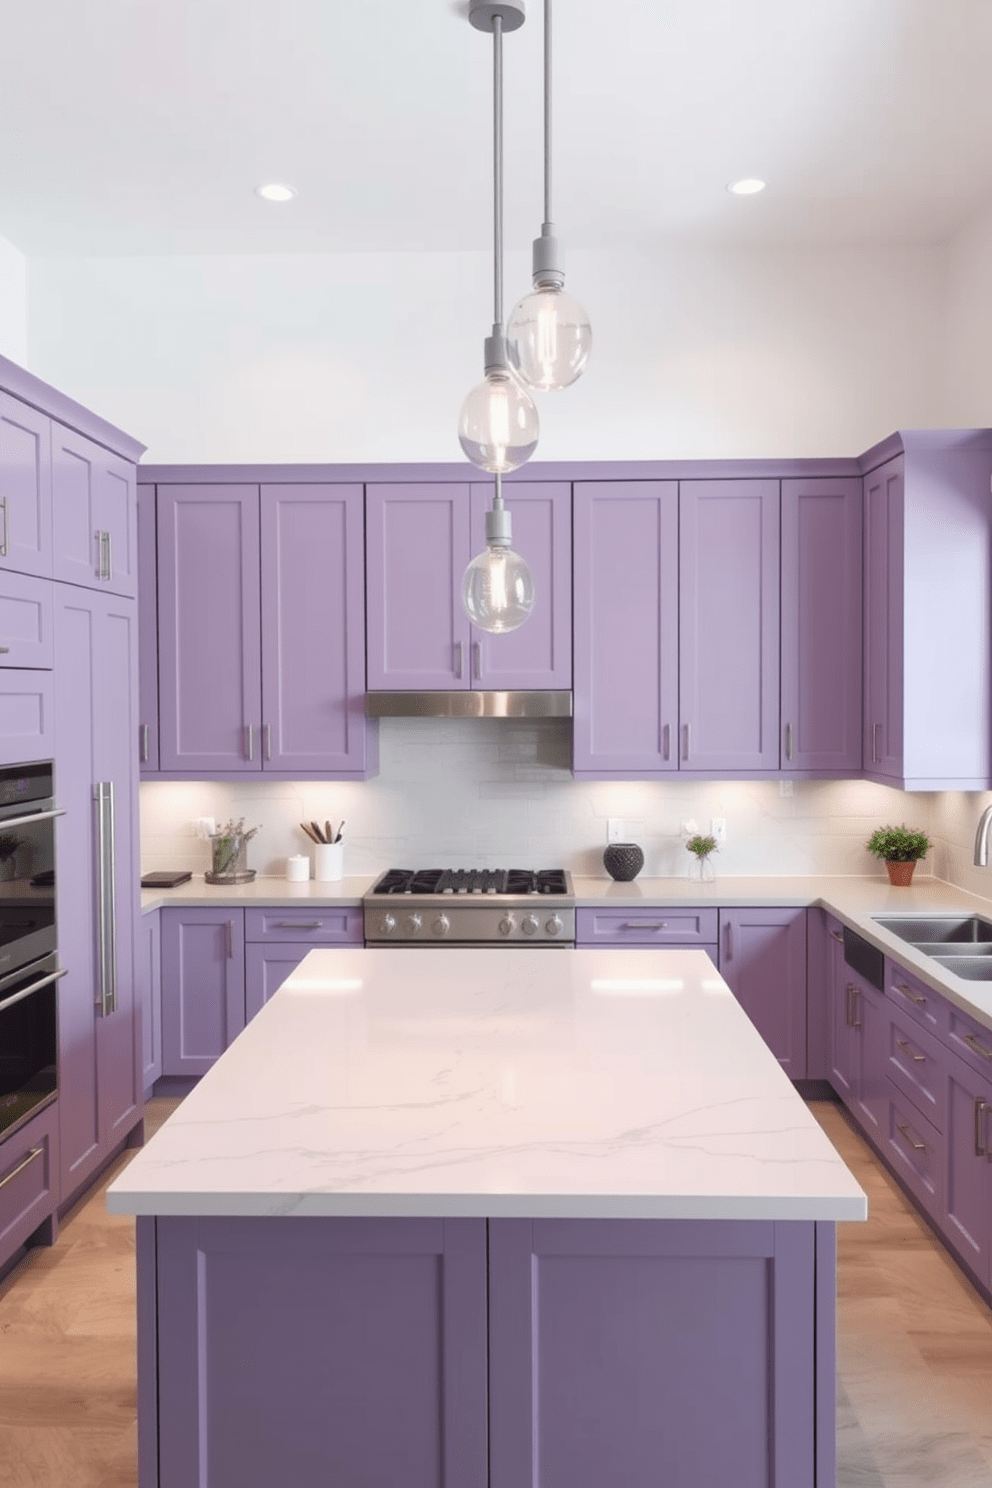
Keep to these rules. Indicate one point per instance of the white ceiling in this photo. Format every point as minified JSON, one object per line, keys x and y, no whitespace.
{"x":141,"y":127}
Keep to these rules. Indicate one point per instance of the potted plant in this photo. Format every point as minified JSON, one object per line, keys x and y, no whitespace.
{"x":899,"y":847}
{"x":701,"y":847}
{"x":229,"y":853}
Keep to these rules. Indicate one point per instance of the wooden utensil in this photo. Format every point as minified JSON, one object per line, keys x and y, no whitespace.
{"x":309,"y":832}
{"x":319,"y":833}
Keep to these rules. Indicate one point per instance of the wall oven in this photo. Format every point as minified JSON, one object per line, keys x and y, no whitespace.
{"x":29,"y":969}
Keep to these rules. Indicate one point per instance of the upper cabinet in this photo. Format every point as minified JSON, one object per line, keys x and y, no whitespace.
{"x":261,"y":636}
{"x":93,"y":515}
{"x":928,"y":626}
{"x":25,"y":488}
{"x":419,"y":541}
{"x":147,"y":632}
{"x":821,"y":626}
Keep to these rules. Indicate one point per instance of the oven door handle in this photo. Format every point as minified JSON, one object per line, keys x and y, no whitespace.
{"x":24,"y":821}
{"x":34,"y":987}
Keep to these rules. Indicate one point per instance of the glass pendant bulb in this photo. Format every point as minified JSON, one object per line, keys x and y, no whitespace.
{"x":548,"y":338}
{"x":498,"y":425}
{"x":498,"y":590}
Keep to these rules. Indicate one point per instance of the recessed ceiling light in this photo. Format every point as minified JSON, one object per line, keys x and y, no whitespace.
{"x":750,"y":186}
{"x":275,"y":192}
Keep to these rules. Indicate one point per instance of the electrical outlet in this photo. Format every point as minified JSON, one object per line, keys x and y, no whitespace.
{"x":614,"y":829}
{"x":718,"y":828}
{"x":785,"y":787}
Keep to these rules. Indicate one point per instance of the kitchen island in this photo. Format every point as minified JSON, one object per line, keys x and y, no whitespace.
{"x":507,"y":1217}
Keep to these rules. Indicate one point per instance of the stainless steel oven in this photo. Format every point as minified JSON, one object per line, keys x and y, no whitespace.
{"x":29,"y":968}
{"x":471,"y":907}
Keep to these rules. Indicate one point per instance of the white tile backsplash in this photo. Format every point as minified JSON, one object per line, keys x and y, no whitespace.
{"x":466,"y":792}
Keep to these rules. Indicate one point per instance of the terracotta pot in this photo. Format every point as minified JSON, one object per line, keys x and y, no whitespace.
{"x":900,"y":874}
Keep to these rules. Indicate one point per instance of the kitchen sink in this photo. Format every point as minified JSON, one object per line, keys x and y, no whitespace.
{"x":972,"y":968}
{"x":924,"y":931}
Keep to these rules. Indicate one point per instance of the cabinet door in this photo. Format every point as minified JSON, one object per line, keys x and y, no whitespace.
{"x":203,"y":986}
{"x":729,"y":625}
{"x":417,"y":549}
{"x":313,"y":630}
{"x":27,"y":716}
{"x":843,"y":1062}
{"x":967,"y":1223}
{"x":883,"y":716}
{"x":821,"y":626}
{"x":538,"y":654}
{"x":25,"y":621}
{"x":148,"y":987}
{"x":147,"y":632}
{"x":626,"y":628}
{"x":266,"y":968}
{"x":93,"y":514}
{"x":96,"y":716}
{"x":25,"y":488}
{"x":871,"y":1029}
{"x":210,"y":673}
{"x":763,"y":961}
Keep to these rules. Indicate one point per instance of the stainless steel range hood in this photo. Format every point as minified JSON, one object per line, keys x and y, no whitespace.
{"x":468,"y":704}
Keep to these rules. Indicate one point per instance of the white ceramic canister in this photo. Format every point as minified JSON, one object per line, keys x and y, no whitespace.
{"x":328,"y":862}
{"x":298,"y":868}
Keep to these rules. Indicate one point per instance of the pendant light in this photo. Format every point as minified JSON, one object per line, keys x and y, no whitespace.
{"x":548,"y":334}
{"x":498,"y":426}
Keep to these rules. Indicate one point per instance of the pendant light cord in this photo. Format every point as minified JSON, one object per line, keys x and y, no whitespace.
{"x":498,"y":169}
{"x":547,"y":114}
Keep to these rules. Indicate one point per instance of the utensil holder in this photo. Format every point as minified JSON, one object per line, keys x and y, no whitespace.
{"x":328,"y":862}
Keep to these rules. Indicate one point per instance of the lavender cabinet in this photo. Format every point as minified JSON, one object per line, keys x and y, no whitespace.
{"x":25,"y":621}
{"x":96,"y":660}
{"x":626,"y":702}
{"x":148,"y":991}
{"x":203,"y":986}
{"x":27,"y":716}
{"x":883,"y":603}
{"x":95,"y":538}
{"x":842,"y":1049}
{"x":29,"y":1184}
{"x":821,"y":626}
{"x":763,"y":961}
{"x":25,"y":488}
{"x":967,"y":1217}
{"x":419,"y":541}
{"x":147,"y":631}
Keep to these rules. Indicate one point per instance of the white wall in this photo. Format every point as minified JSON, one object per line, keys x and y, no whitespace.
{"x":13,"y":303}
{"x":968,"y":330}
{"x":697,"y":352}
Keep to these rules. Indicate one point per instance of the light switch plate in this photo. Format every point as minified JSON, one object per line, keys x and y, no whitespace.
{"x":718,"y":828}
{"x":614,"y":829}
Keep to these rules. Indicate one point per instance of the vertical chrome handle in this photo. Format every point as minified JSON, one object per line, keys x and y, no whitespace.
{"x":875,"y":756}
{"x":251,"y":741}
{"x":229,"y":928}
{"x":101,"y":901}
{"x":267,"y":740}
{"x":838,"y":935}
{"x":143,"y":735}
{"x":788,"y":741}
{"x":666,"y":741}
{"x":98,"y":535}
{"x":5,"y":539}
{"x":686,"y":753}
{"x":459,"y":658}
{"x":848,"y":1014}
{"x":108,"y":542}
{"x":855,"y":995}
{"x":477,"y":660}
{"x":729,"y":938}
{"x":106,"y":909}
{"x":112,"y":895}
{"x":980,"y":1108}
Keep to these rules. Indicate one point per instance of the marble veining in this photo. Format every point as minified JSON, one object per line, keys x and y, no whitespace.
{"x":600,"y":1083}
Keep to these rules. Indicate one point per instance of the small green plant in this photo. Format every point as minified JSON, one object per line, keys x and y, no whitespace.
{"x":229,"y":842}
{"x":898,"y":844}
{"x":701,"y":846}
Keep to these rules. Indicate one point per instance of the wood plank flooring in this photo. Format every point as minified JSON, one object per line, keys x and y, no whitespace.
{"x":914,"y":1349}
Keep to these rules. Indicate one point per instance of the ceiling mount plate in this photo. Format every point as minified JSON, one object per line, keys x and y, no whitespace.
{"x":482,"y":12}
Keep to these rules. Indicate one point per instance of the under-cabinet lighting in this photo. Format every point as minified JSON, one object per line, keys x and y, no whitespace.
{"x":750,"y":186}
{"x":275,"y":191}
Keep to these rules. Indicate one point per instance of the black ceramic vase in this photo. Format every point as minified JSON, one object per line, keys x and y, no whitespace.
{"x":623,"y":861}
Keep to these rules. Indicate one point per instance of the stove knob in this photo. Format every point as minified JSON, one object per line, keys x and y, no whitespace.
{"x":554,"y":924}
{"x":413,"y":923}
{"x":441,"y":925}
{"x":507,"y":925}
{"x":529,"y":924}
{"x":388,"y":924}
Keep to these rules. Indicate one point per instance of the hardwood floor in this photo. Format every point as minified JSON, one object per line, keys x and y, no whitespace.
{"x":914,"y":1349}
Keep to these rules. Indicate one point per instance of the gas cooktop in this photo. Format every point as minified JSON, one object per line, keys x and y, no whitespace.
{"x":473,"y":881}
{"x":471,"y":906}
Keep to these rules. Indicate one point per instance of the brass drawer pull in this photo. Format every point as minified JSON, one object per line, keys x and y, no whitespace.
{"x":35,"y":1152}
{"x":907,"y":1048}
{"x":917,"y":1146}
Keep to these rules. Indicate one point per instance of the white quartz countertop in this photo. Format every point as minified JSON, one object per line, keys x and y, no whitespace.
{"x":503,"y":1082}
{"x":198,"y":894}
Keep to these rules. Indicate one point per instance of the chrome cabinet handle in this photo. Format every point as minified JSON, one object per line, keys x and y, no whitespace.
{"x":108,"y":542}
{"x":908,"y":992}
{"x":979,"y":1048}
{"x":730,"y":940}
{"x":644,"y":925}
{"x":838,"y":935}
{"x":99,"y":553}
{"x":788,"y":741}
{"x":477,"y":660}
{"x":298,"y":924}
{"x":980,"y":1108}
{"x":847,"y":1004}
{"x":5,"y":539}
{"x":875,"y":756}
{"x":459,"y":658}
{"x":251,"y":741}
{"x":855,"y":994}
{"x":35,"y":1152}
{"x":101,"y":901}
{"x":229,"y":936}
{"x":666,"y":738}
{"x":143,"y":735}
{"x":111,"y":896}
{"x":917,"y":1146}
{"x":106,"y":908}
{"x":267,"y":740}
{"x":686,"y":754}
{"x":5,"y":650}
{"x":907,"y":1049}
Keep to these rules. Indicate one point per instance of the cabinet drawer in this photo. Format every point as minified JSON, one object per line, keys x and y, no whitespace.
{"x":28,"y":1169}
{"x":914,"y":997}
{"x":646,"y":927}
{"x":971,"y":1039}
{"x":914,"y":1063}
{"x":25,"y":621}
{"x":320,"y":924}
{"x":914,"y":1148}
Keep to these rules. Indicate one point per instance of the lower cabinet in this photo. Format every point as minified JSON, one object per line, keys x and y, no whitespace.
{"x":148,"y":994}
{"x":679,"y":929}
{"x":967,"y":1209}
{"x":219,"y":967}
{"x":763,"y":961}
{"x":29,"y":1183}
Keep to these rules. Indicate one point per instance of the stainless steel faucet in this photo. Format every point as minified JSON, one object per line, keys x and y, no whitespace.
{"x":982,"y":839}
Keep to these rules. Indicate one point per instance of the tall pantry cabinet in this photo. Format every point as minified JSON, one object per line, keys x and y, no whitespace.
{"x":68,"y":660}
